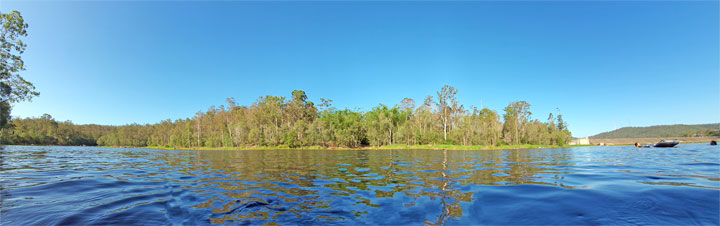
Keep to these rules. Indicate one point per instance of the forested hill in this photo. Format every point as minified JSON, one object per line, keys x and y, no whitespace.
{"x":678,"y":130}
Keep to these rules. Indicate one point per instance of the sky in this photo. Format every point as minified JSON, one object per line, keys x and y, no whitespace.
{"x":602,"y":64}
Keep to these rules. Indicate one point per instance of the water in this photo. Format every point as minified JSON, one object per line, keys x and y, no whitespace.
{"x":618,"y":185}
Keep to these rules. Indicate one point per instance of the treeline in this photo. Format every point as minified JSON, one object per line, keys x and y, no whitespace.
{"x":678,"y":130}
{"x":703,"y":133}
{"x":46,"y":131}
{"x":296,"y":122}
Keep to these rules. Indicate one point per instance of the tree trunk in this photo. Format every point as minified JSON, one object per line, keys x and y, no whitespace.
{"x":391,"y":140}
{"x":445,"y":129}
{"x":516,"y":131}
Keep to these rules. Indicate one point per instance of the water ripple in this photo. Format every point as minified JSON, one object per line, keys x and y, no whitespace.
{"x":583,"y":185}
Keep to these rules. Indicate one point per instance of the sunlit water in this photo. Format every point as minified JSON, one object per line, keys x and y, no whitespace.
{"x":618,"y":185}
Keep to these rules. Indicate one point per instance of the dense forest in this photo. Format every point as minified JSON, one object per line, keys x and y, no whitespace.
{"x":296,"y":122}
{"x":678,"y":130}
{"x":45,"y":130}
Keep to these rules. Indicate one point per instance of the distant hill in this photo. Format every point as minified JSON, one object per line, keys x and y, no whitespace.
{"x":678,"y":130}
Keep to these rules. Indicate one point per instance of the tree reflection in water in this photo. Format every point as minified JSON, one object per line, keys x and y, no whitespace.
{"x":43,"y":185}
{"x":322,"y":185}
{"x":445,"y":196}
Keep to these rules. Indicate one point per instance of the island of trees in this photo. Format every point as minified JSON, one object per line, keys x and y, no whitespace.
{"x":275,"y":121}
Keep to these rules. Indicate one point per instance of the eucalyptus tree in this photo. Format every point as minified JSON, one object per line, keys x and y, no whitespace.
{"x":458,"y":115}
{"x":340,"y":128}
{"x":407,"y":104}
{"x":268,"y":119}
{"x":490,"y":126}
{"x":271,"y":120}
{"x":516,"y":117}
{"x":405,"y":130}
{"x":380,"y":123}
{"x":425,"y":125}
{"x":446,"y":102}
{"x":198,"y":126}
{"x":13,"y":87}
{"x":230,"y":125}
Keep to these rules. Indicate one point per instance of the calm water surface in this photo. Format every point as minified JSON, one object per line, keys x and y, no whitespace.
{"x":618,"y":185}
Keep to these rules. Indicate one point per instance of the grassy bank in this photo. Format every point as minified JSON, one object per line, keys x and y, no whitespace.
{"x":386,"y":147}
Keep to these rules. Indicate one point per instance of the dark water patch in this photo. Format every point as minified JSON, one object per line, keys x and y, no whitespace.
{"x":700,"y":164}
{"x":77,"y":186}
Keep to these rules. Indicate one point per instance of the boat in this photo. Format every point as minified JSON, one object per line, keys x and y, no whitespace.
{"x":667,"y":143}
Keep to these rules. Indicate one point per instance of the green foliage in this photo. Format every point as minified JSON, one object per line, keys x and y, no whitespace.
{"x":295,"y":122}
{"x":4,"y":113}
{"x":13,"y":87}
{"x":382,"y":124}
{"x":678,"y":130}
{"x":45,"y":130}
{"x":341,"y":128}
{"x":516,"y":117}
{"x":447,"y":107}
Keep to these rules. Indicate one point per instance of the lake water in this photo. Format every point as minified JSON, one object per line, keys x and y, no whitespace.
{"x":618,"y":185}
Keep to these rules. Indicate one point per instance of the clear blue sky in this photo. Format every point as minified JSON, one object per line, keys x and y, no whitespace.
{"x":603,"y":64}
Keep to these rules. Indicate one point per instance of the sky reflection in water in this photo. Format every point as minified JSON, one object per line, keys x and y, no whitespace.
{"x":579,"y":185}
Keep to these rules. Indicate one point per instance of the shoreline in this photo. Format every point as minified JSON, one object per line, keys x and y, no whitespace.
{"x":387,"y":147}
{"x":449,"y":147}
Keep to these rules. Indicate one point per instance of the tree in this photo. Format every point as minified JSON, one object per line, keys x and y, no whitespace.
{"x":198,"y":132}
{"x":300,"y":113}
{"x":516,"y":117}
{"x":490,"y":125}
{"x":13,"y":87}
{"x":563,"y":135}
{"x":405,"y":129}
{"x":446,"y":100}
{"x":296,"y":122}
{"x":382,"y":123}
{"x":407,"y":104}
{"x":561,"y":124}
{"x":325,"y":103}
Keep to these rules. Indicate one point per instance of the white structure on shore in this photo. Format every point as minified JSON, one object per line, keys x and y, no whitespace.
{"x":576,"y":141}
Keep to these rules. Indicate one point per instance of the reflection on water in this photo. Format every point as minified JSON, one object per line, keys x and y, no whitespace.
{"x":580,"y":185}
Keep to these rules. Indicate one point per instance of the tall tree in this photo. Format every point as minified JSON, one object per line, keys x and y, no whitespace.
{"x":198,"y":121}
{"x":405,"y":129}
{"x":446,"y":100}
{"x":490,"y":125}
{"x":516,"y":117}
{"x":563,"y":135}
{"x":407,"y":103}
{"x":13,"y":87}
